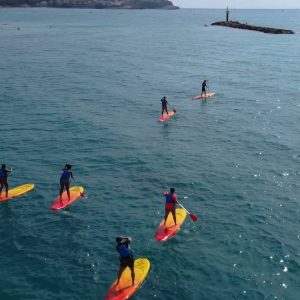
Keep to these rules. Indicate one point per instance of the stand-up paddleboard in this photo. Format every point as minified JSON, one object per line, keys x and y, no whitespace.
{"x":166,"y":116}
{"x":164,"y":232}
{"x":125,"y":289}
{"x":75,"y":193}
{"x":199,"y":97}
{"x":15,"y":192}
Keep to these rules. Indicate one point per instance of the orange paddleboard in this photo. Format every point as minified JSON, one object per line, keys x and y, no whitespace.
{"x":15,"y":192}
{"x":125,"y":289}
{"x":164,"y":232}
{"x":75,"y":193}
{"x":166,"y":116}
{"x":201,"y":97}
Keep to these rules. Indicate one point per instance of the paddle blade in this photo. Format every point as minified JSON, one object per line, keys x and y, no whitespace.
{"x":193,"y":218}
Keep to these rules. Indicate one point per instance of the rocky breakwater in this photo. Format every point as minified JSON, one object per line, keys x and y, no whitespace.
{"x":100,"y":4}
{"x":236,"y":24}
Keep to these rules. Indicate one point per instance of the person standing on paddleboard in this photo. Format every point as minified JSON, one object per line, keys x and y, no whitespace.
{"x":204,"y":86}
{"x":164,"y":106}
{"x":4,"y":172}
{"x":65,"y":179}
{"x":125,"y":256}
{"x":171,"y":200}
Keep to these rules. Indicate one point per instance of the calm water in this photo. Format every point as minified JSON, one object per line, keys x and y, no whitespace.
{"x":83,"y":86}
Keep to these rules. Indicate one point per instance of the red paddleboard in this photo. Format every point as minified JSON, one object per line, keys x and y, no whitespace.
{"x":164,"y":232}
{"x":199,"y":97}
{"x":166,"y":116}
{"x":75,"y":193}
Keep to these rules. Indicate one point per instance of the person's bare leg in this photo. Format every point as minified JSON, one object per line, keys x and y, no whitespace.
{"x":132,"y":275}
{"x":121,"y":269}
{"x":61,"y":191}
{"x":174,"y":215}
{"x":166,"y":215}
{"x":68,"y":190}
{"x":6,"y":188}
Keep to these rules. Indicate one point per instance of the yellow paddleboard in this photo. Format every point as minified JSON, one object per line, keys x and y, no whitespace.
{"x":15,"y":192}
{"x":125,"y":289}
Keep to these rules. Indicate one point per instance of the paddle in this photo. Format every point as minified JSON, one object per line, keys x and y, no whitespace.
{"x":82,"y":194}
{"x":193,"y":217}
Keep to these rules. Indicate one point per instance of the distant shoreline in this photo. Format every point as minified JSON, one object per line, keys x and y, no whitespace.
{"x":108,"y":8}
{"x":177,"y":7}
{"x":90,"y":4}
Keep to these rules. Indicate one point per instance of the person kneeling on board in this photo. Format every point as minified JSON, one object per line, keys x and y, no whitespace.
{"x":204,"y":85}
{"x":171,"y":200}
{"x":164,"y":106}
{"x":125,"y":256}
{"x":65,"y":179}
{"x":4,"y":172}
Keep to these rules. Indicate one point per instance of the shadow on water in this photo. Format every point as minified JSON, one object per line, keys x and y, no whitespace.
{"x":166,"y":130}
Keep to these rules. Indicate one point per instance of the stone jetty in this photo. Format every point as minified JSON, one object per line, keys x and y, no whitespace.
{"x":236,"y":24}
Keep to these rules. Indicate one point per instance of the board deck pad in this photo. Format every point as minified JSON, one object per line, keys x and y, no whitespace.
{"x":125,"y":289}
{"x":165,"y":232}
{"x":75,"y":193}
{"x":199,"y":97}
{"x":166,"y":116}
{"x":16,"y":192}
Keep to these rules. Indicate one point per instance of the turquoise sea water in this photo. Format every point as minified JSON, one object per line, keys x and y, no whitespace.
{"x":84,"y":87}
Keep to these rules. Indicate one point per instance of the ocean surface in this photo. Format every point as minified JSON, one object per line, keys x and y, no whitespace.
{"x":84,"y":87}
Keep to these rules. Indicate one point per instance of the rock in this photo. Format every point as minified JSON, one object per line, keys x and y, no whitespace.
{"x":236,"y":24}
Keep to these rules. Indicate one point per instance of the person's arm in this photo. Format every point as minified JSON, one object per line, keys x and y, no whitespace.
{"x":126,"y":239}
{"x":175,"y":199}
{"x":72,"y":176}
{"x":7,"y":172}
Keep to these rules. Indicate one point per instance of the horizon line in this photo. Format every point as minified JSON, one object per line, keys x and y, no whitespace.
{"x":262,"y":8}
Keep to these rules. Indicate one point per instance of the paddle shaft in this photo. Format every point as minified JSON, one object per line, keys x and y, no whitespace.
{"x":193,"y":217}
{"x":183,"y":207}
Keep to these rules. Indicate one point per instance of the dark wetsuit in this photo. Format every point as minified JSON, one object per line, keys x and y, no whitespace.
{"x":164,"y":103}
{"x":164,"y":106}
{"x":3,"y":176}
{"x":65,"y":177}
{"x":204,"y":86}
{"x":125,"y":255}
